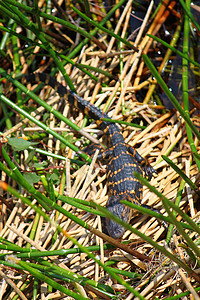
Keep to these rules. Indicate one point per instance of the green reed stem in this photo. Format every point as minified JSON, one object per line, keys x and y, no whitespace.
{"x":21,"y":19}
{"x":93,"y":32}
{"x":15,"y":174}
{"x":34,"y":253}
{"x":149,"y":240}
{"x":180,"y":172}
{"x":174,"y":50}
{"x":167,"y":204}
{"x":85,"y":250}
{"x":170,"y":95}
{"x":43,"y":126}
{"x":97,"y":25}
{"x":189,"y":14}
{"x":152,"y":213}
{"x":26,"y":266}
{"x":177,"y":202}
{"x":185,"y":75}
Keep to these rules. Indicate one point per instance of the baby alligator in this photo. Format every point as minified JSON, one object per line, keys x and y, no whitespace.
{"x":123,"y":160}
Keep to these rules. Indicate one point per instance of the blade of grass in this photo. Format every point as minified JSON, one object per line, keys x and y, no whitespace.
{"x":21,"y":19}
{"x":185,"y":217}
{"x":43,"y":126}
{"x":81,"y":204}
{"x":181,"y":295}
{"x":174,"y":50}
{"x":34,"y":253}
{"x":189,"y":14}
{"x":87,"y":226}
{"x":26,"y":266}
{"x":83,"y":68}
{"x":33,"y":229}
{"x":183,"y":175}
{"x":163,"y":67}
{"x":107,"y":17}
{"x":152,"y":213}
{"x":170,"y":95}
{"x":41,"y":35}
{"x":35,"y":288}
{"x":167,"y":204}
{"x":185,"y":80}
{"x":177,"y":202}
{"x":97,"y":70}
{"x":15,"y":174}
{"x":74,"y":277}
{"x":97,"y":25}
{"x":11,"y":190}
{"x":150,"y":241}
{"x":56,"y":156}
{"x":7,"y":119}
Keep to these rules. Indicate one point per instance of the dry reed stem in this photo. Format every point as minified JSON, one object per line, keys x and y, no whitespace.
{"x":146,"y":42}
{"x":13,"y":285}
{"x":81,"y":177}
{"x":164,"y":134}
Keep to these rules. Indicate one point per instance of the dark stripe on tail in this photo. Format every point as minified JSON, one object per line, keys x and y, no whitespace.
{"x":85,"y":106}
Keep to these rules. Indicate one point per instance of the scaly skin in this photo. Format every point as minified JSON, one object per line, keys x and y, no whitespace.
{"x":123,"y":160}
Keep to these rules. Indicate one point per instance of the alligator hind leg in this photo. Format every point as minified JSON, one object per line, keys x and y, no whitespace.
{"x":158,"y":212}
{"x":148,"y":169}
